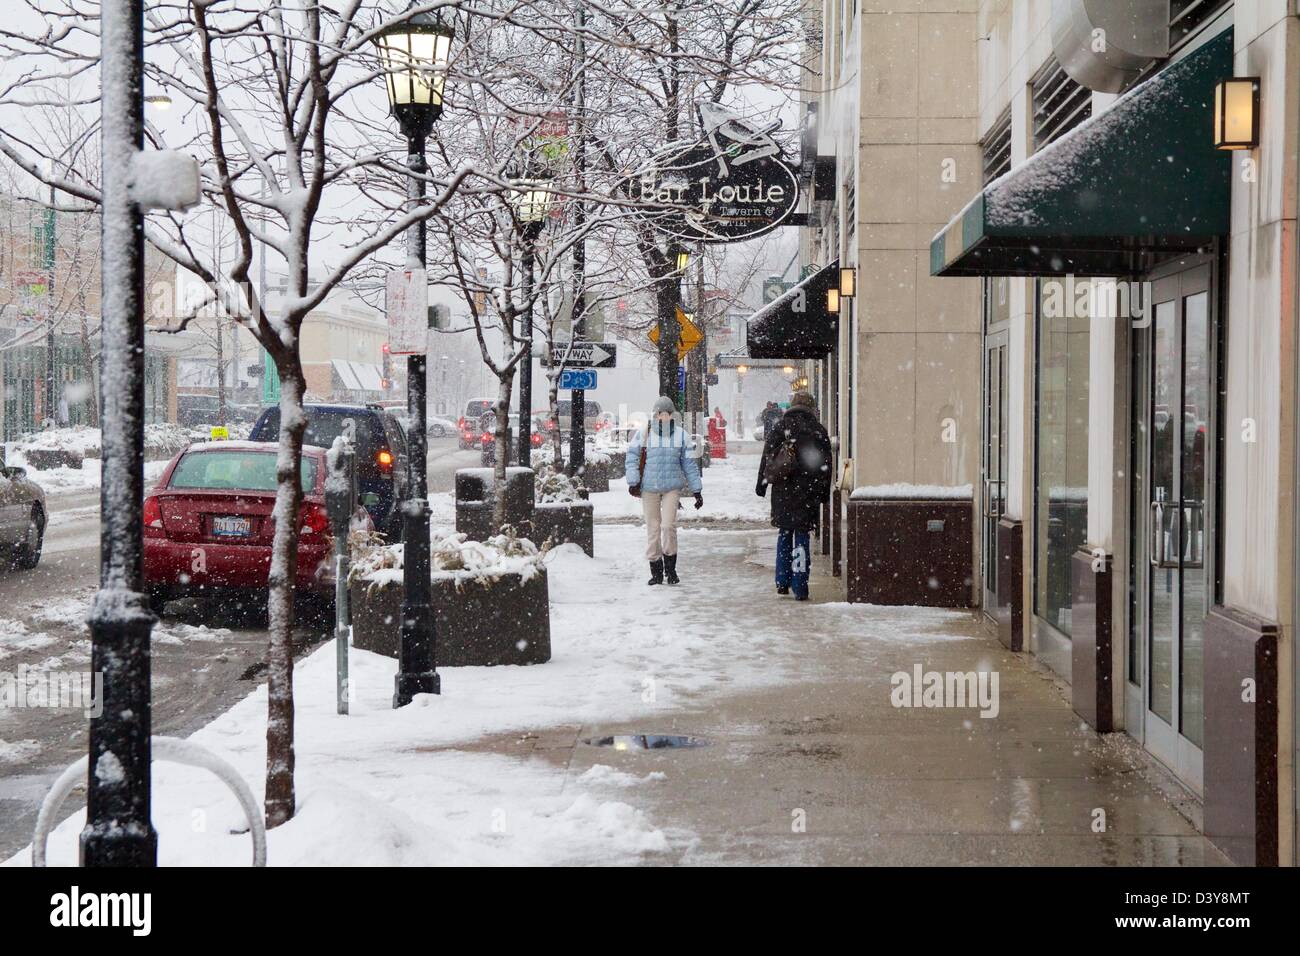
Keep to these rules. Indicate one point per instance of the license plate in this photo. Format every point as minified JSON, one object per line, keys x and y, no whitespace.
{"x":231,"y":527}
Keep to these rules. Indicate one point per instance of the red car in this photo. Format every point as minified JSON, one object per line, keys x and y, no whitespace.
{"x":208,"y":525}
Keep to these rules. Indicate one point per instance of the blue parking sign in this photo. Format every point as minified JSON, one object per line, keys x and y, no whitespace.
{"x":578,"y":378}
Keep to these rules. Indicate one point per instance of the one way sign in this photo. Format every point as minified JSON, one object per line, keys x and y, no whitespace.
{"x":585,"y":354}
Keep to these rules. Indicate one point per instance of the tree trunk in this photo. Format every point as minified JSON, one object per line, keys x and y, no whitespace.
{"x":88,"y":369}
{"x":503,"y":451}
{"x":284,"y":563}
{"x":221,"y":376}
{"x":667,"y":300}
{"x":553,"y":402}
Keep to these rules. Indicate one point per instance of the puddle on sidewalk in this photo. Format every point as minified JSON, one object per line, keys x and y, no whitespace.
{"x":646,"y":742}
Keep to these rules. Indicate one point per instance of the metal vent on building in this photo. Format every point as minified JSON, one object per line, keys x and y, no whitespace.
{"x":1186,"y":17}
{"x":1060,"y":104}
{"x":996,"y":147}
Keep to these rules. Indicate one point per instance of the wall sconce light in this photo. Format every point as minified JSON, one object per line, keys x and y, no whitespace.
{"x":1236,"y":113}
{"x":833,"y":300}
{"x":742,"y":369}
{"x":848,"y":282}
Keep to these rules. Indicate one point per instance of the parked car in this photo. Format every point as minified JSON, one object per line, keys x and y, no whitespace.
{"x":469,"y":425}
{"x":488,"y":444}
{"x":195,"y":410}
{"x":591,"y":415}
{"x":381,"y":453}
{"x":219,"y":497}
{"x":439,"y":427}
{"x":22,"y":518}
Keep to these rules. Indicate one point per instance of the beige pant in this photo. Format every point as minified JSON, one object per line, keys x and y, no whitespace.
{"x":660,"y":523}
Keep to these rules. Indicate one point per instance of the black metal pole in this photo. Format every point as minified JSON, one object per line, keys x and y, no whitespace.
{"x":416,"y":673}
{"x":118,"y":829}
{"x":577,"y":398}
{"x":526,"y":367}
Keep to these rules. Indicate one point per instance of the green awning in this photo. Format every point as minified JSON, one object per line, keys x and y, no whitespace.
{"x":1129,"y":186}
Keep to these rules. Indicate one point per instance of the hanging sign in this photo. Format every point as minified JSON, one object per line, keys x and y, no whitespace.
{"x":406,"y":300}
{"x":730,"y":186}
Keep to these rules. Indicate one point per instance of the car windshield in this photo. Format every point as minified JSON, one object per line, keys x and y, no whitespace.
{"x":242,"y":470}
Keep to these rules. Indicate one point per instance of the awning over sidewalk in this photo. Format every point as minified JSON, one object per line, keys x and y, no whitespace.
{"x":796,"y":325}
{"x":1139,"y":180}
{"x":358,"y":376}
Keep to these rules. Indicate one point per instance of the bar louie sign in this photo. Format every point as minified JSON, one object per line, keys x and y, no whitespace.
{"x":730,"y":186}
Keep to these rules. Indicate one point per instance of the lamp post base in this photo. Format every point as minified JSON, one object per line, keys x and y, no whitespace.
{"x":406,"y":686}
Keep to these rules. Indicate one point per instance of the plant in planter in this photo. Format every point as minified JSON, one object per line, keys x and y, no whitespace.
{"x":562,"y":512}
{"x":490,"y":600}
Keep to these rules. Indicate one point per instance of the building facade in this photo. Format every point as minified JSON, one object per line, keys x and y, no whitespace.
{"x":1065,"y":369}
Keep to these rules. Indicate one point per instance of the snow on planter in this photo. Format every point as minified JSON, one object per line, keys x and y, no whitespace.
{"x":490,"y":600}
{"x":909,"y":492}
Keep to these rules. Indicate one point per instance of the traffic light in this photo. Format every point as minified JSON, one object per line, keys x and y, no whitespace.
{"x":388,"y":364}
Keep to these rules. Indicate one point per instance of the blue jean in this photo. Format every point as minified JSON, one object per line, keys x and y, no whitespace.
{"x":792,"y":550}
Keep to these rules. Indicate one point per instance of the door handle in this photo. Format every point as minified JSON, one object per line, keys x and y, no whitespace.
{"x":1195,"y":511}
{"x":1157,"y":549}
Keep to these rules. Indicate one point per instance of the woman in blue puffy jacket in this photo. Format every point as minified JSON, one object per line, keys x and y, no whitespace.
{"x":661,"y":464}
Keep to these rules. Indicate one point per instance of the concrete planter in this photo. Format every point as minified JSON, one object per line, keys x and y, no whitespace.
{"x":596,"y":477}
{"x":562,"y":522}
{"x":43,"y":458}
{"x":910,"y":551}
{"x":475,"y":499}
{"x":477,"y":623}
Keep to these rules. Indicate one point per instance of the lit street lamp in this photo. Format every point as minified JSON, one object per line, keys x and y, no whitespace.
{"x":531,"y":199}
{"x":414,"y":54}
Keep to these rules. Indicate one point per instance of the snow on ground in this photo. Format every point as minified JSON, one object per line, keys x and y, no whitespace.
{"x":412,"y":786}
{"x":447,"y":779}
{"x":85,"y":478}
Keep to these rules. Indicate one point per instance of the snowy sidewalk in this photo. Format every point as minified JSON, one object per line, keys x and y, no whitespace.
{"x":807,"y":760}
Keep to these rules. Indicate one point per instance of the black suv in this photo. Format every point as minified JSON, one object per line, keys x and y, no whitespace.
{"x":381,"y":453}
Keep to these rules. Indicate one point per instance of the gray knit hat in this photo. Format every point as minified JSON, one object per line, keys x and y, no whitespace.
{"x":803,"y":400}
{"x":664,"y":404}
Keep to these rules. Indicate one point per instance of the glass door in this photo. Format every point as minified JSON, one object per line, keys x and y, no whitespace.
{"x":1173,"y":393}
{"x":993,"y":500}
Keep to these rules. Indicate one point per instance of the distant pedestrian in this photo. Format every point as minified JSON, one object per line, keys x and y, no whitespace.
{"x":796,"y":462}
{"x":771,"y":415}
{"x":660,"y":466}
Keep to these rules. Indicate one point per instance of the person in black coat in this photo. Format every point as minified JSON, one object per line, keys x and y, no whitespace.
{"x":797,"y":463}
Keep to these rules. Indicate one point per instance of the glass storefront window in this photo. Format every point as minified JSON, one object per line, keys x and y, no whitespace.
{"x":1061,"y":481}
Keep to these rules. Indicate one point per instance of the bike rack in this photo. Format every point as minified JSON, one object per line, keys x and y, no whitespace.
{"x":171,"y":749}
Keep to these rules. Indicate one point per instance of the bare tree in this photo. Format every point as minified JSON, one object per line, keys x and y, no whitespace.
{"x":283,"y":107}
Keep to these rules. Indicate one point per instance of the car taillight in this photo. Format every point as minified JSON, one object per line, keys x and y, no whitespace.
{"x":153,"y":523}
{"x":384,"y":459}
{"x":536,"y":438}
{"x":461,"y":423}
{"x":314,"y":518}
{"x":486,"y":436}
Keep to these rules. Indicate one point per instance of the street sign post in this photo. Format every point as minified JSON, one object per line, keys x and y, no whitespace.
{"x":584,"y":354}
{"x":406,"y":300}
{"x":582,"y":378}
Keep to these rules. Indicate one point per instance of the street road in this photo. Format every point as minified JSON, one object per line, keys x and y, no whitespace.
{"x":204,"y":660}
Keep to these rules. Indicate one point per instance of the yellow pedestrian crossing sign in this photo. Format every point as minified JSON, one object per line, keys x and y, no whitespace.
{"x":688,"y":334}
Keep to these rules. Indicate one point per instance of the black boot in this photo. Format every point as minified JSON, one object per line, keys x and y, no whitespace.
{"x":670,"y":569}
{"x":656,"y":572}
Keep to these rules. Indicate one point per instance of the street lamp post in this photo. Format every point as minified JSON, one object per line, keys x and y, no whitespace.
{"x":532,"y":202}
{"x":118,"y":829}
{"x":414,"y":54}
